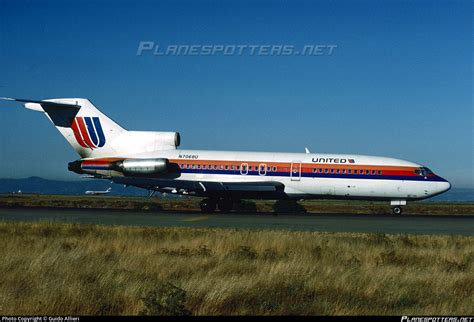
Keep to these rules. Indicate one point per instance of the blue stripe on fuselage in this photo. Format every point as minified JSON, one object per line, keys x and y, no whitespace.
{"x":315,"y":175}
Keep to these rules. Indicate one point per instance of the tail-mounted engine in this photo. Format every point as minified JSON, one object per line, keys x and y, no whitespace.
{"x":131,"y":167}
{"x":127,"y":167}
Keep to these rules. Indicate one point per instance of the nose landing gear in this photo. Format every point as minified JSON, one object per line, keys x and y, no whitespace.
{"x":397,"y":206}
{"x":397,"y":210}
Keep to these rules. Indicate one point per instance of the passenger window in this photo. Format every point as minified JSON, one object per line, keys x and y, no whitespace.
{"x":192,"y":166}
{"x":275,"y":169}
{"x":227,"y":167}
{"x":355,"y":171}
{"x":337,"y":171}
{"x":332,"y":170}
{"x":232,"y":167}
{"x":379,"y":172}
{"x":182,"y":166}
{"x":314,"y":170}
{"x":221,"y":167}
{"x":325,"y":170}
{"x":349,"y":171}
{"x":215,"y":166}
{"x":198,"y":166}
{"x":238,"y":167}
{"x":343,"y":170}
{"x":367,"y":171}
{"x":187,"y":166}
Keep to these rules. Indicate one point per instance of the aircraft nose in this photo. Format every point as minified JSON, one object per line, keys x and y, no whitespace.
{"x":443,"y":186}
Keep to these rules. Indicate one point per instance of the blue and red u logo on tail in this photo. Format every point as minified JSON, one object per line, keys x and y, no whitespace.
{"x":88,"y":132}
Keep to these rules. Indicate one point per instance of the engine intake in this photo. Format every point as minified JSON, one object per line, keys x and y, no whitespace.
{"x":143,"y":166}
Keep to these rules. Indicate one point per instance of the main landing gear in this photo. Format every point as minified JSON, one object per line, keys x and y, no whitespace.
{"x":209,"y":204}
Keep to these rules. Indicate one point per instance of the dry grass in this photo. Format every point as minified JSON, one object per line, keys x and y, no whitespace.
{"x":51,"y":268}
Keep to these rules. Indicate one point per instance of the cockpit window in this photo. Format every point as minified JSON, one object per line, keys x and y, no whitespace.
{"x":423,"y":171}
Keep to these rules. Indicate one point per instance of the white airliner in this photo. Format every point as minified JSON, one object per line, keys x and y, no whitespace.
{"x":104,"y":192}
{"x":152,"y":160}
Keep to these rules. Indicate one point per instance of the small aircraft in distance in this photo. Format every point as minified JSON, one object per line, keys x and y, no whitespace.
{"x":104,"y":192}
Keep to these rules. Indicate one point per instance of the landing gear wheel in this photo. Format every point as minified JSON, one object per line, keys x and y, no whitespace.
{"x":397,"y":210}
{"x":208,"y":205}
{"x":225,"y":205}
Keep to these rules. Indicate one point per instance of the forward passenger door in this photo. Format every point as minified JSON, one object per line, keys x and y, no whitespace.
{"x":295,"y":171}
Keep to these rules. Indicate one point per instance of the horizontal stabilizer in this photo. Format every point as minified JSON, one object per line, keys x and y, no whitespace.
{"x":42,"y":103}
{"x":62,"y":114}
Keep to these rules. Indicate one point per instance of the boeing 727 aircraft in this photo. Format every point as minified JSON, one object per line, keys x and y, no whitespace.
{"x":152,"y":160}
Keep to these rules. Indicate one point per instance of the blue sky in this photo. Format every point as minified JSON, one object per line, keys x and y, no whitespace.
{"x":398,"y":84}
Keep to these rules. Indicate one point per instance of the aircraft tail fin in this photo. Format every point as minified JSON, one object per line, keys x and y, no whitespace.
{"x":92,"y":134}
{"x":85,"y":128}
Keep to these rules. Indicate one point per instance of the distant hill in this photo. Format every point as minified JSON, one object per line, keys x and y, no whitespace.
{"x":46,"y":186}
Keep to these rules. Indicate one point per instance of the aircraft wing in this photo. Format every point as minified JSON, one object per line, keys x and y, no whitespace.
{"x":243,"y":186}
{"x":203,"y":187}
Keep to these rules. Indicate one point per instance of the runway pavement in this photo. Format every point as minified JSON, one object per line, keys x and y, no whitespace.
{"x":390,"y":224}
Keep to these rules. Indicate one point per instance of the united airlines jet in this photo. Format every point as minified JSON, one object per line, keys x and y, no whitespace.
{"x":152,"y":160}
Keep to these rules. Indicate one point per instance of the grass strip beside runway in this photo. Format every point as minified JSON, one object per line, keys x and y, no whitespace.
{"x":52,"y":268}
